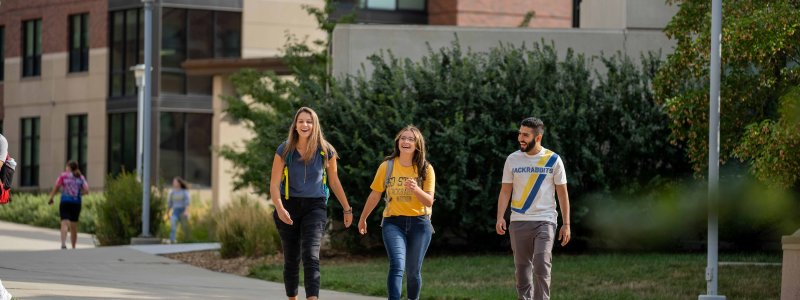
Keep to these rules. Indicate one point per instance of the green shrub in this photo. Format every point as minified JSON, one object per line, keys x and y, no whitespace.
{"x":245,"y":227}
{"x":32,"y":209}
{"x":119,"y":217}
{"x":606,"y":127}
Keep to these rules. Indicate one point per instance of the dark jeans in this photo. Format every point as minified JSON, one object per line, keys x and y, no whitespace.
{"x":302,"y":240}
{"x":406,"y":240}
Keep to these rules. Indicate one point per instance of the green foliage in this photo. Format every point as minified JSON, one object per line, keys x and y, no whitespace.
{"x":673,"y":216}
{"x":32,"y":209}
{"x":245,"y":227}
{"x":468,"y":106}
{"x":760,"y":46}
{"x":772,"y":146}
{"x":119,"y":217}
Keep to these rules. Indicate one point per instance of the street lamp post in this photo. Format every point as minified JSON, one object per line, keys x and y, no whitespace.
{"x":712,"y":263}
{"x":138,"y":73}
{"x":148,"y":77}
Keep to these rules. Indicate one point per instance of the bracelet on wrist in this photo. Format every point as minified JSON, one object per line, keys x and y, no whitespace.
{"x":348,"y":211}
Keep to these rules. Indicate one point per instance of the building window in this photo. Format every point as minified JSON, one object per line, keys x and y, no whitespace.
{"x":195,"y":34}
{"x":79,"y":43}
{"x":32,"y":48}
{"x":122,"y":143}
{"x":29,"y":158}
{"x":2,"y":52}
{"x":127,"y":40}
{"x":185,"y":147}
{"x":417,"y":5}
{"x":77,"y":140}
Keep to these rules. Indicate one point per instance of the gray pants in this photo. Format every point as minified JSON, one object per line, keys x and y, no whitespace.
{"x":532,"y":243}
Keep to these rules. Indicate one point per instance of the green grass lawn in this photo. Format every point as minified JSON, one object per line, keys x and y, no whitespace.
{"x":601,"y":276}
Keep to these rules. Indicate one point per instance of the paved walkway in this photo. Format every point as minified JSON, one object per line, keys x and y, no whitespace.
{"x":32,"y":267}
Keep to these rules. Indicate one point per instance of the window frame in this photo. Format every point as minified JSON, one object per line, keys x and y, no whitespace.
{"x":82,"y":134}
{"x":127,"y":85}
{"x":78,"y":54}
{"x":364,"y":5}
{"x":29,"y":164}
{"x":32,"y":64}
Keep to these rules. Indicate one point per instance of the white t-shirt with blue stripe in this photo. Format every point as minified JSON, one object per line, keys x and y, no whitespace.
{"x":534,"y":178}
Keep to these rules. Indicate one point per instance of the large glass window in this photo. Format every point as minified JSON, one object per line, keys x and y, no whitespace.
{"x":122,"y":143}
{"x":32,"y":48}
{"x":29,"y":158}
{"x":126,"y":50}
{"x":228,"y":34}
{"x":2,"y":52}
{"x":185,"y":147}
{"x":77,"y":140}
{"x":79,"y":43}
{"x":195,"y":34}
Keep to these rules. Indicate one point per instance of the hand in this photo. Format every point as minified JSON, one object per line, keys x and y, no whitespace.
{"x":564,"y":235}
{"x":186,"y":215}
{"x":362,"y":226}
{"x":411,"y":184}
{"x":283,"y":214}
{"x":50,"y":202}
{"x":500,"y":227}
{"x":348,"y":217}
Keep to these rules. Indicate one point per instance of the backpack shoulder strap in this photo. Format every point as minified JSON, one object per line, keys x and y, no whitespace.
{"x":389,"y":166}
{"x":287,"y":161}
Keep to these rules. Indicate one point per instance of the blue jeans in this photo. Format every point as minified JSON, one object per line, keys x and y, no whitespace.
{"x":406,"y":240}
{"x":177,"y":216}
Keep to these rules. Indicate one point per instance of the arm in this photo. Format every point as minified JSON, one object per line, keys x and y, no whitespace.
{"x":336,"y":187}
{"x":187,"y":201}
{"x":425,"y":197}
{"x":372,"y":202}
{"x":53,"y":193}
{"x":84,"y":187}
{"x":275,"y":188}
{"x":564,"y":235}
{"x":502,"y":205}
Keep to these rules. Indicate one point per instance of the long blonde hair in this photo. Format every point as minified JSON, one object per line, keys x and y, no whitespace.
{"x":419,"y":161}
{"x":315,"y":142}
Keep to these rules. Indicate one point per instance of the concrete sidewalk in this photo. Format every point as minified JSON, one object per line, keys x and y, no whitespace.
{"x":32,"y":267}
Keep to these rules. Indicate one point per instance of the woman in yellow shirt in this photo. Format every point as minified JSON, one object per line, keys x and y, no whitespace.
{"x":409,"y":182}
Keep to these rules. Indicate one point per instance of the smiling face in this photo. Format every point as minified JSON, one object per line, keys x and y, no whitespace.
{"x":304,"y":124}
{"x":527,"y":139}
{"x":407,"y":142}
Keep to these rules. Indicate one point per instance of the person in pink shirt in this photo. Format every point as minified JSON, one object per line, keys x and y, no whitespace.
{"x":73,"y":185}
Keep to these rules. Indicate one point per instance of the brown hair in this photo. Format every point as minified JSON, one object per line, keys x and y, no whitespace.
{"x":315,"y":142}
{"x":419,"y":161}
{"x":73,"y":166}
{"x":181,"y":182}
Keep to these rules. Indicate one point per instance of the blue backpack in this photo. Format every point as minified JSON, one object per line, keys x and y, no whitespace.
{"x":325,"y":188}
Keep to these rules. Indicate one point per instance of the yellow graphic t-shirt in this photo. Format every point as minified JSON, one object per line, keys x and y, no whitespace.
{"x":403,"y":201}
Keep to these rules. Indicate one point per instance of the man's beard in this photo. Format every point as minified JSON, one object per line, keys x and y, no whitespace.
{"x":527,"y":148}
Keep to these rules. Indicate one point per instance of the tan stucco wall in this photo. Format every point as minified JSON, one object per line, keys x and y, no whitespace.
{"x":626,"y":14}
{"x":265,"y":23}
{"x":52,"y":97}
{"x":226,"y":131}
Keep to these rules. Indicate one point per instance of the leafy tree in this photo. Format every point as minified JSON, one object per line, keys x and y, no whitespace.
{"x":760,"y":43}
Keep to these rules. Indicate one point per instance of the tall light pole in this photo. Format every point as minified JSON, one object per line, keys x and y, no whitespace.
{"x":138,"y":73}
{"x":148,"y":79}
{"x":713,"y":155}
